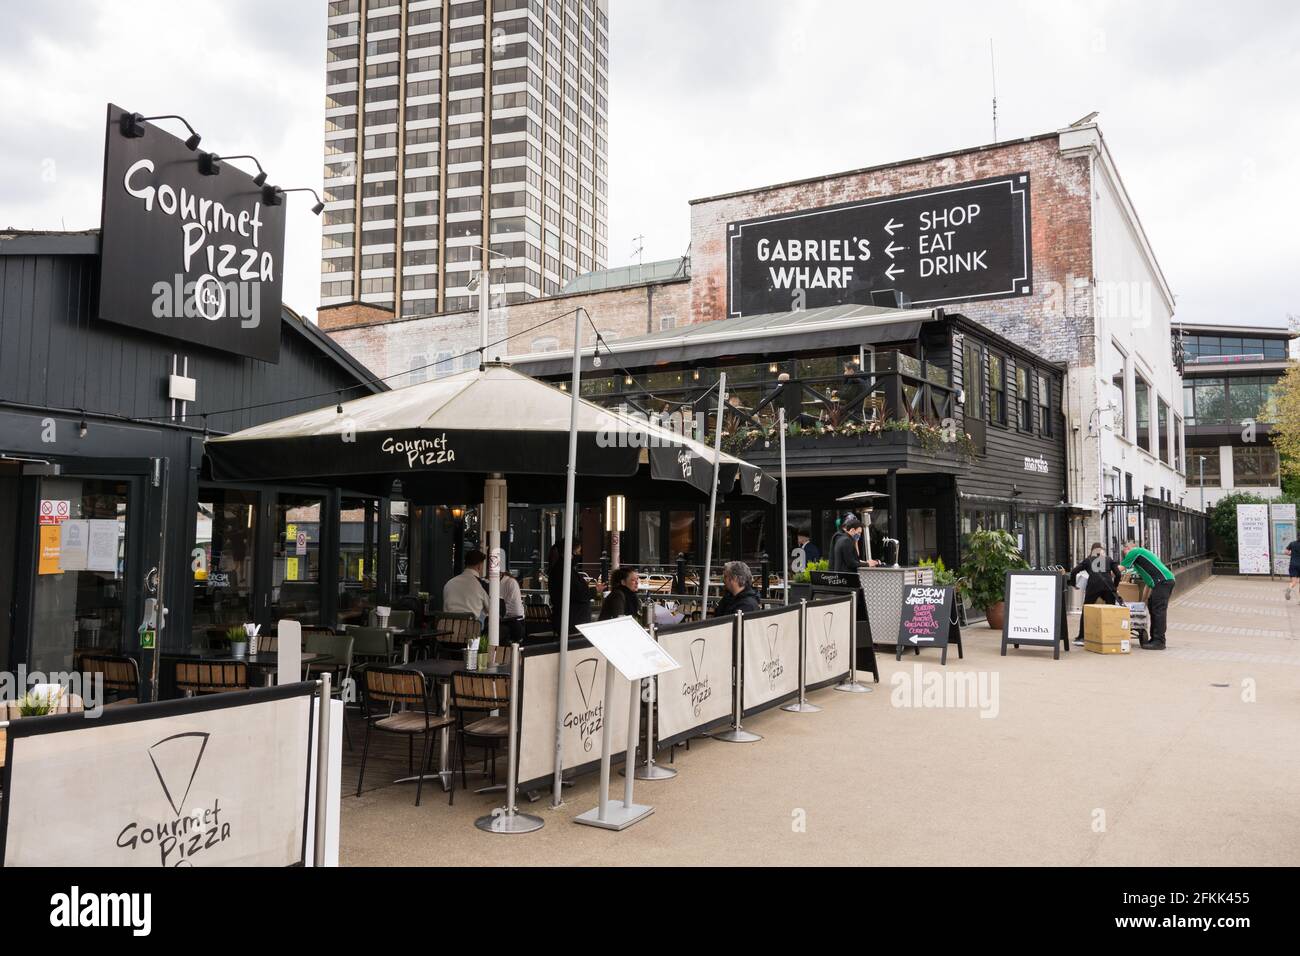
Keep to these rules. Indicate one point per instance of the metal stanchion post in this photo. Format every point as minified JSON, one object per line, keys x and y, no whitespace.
{"x":322,"y":771}
{"x":507,"y":819}
{"x":801,"y":706}
{"x":649,"y":770}
{"x":851,"y":685}
{"x":737,"y":734}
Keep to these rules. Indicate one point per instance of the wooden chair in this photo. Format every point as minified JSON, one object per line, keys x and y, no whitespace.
{"x":268,"y":643}
{"x":461,"y":628}
{"x":480,"y":693}
{"x":211,"y":677}
{"x":389,"y":688}
{"x":121,"y":675}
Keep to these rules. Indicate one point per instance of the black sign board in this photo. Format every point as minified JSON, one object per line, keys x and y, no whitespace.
{"x":953,"y":244}
{"x":1035,"y":611}
{"x":926,"y":619}
{"x":836,"y":579}
{"x":188,"y":256}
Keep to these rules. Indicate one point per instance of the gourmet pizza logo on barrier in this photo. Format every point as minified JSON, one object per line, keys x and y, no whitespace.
{"x":772,"y":666}
{"x":420,"y":452}
{"x":827,"y":647}
{"x":697,"y":690}
{"x":179,"y":840}
{"x":591,"y":718}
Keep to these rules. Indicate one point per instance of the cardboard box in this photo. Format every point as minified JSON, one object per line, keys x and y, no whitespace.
{"x":1123,"y":647}
{"x":1106,"y":623}
{"x":1130,"y":592}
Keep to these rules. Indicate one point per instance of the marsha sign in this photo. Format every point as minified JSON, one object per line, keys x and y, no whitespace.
{"x":187,"y":256}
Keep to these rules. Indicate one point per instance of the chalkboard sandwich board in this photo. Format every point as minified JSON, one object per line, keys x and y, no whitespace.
{"x":925,"y":619}
{"x":1035,"y":613}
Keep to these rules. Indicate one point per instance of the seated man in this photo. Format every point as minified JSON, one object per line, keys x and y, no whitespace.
{"x":624,"y":597}
{"x":465,"y":592}
{"x":738,"y":591}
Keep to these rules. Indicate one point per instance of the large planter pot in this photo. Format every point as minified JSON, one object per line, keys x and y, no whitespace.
{"x":801,"y":591}
{"x":996,"y":615}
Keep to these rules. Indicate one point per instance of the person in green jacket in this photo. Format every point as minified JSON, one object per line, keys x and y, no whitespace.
{"x":1160,"y":580}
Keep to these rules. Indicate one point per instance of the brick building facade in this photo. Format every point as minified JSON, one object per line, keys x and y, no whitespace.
{"x":1098,"y":304}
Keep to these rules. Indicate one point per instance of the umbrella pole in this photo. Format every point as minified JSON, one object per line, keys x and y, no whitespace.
{"x":562,"y":670}
{"x":713,"y":495}
{"x":785,"y":511}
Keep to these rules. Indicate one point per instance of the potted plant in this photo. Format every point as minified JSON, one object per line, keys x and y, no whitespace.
{"x":36,"y":703}
{"x":989,"y":556}
{"x":238,"y":638}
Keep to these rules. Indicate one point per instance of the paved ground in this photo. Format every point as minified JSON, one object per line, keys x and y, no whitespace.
{"x":1116,"y":760}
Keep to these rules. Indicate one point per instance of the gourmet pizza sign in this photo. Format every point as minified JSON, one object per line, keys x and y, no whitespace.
{"x":954,"y":244}
{"x":185,"y":255}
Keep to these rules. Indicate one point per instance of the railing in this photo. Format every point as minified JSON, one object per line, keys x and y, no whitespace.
{"x":1176,"y":534}
{"x":680,"y":578}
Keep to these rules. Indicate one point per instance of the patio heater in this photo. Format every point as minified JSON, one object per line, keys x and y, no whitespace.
{"x":494,"y":522}
{"x":615,"y":524}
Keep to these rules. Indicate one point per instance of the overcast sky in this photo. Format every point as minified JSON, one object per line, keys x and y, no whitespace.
{"x":1198,"y":101}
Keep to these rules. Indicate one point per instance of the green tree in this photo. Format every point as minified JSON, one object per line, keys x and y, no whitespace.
{"x":1285,"y":411}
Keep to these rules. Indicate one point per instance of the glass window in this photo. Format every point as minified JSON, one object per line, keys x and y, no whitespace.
{"x":997,"y":390}
{"x":753,"y":538}
{"x":358,"y":557}
{"x":681,"y":535}
{"x":223,"y":561}
{"x":1162,"y":429}
{"x":295,"y":559}
{"x":1119,"y":362}
{"x":1024,"y":399}
{"x":1254,"y":465}
{"x":1211,"y":401}
{"x":973,"y":379}
{"x":649,"y":525}
{"x":721,"y":538}
{"x":80,"y":572}
{"x":1142,"y":393}
{"x":922,"y":534}
{"x":1209,"y":467}
{"x":1044,"y":405}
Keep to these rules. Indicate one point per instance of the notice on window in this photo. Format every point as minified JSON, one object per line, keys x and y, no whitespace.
{"x":74,"y":545}
{"x":291,"y":569}
{"x":50,"y":546}
{"x":101,"y":545}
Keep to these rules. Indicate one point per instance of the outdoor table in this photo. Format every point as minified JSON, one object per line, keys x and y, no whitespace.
{"x":266,"y":661}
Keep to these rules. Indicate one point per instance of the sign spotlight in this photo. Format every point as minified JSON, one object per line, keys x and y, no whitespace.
{"x":258,"y":180}
{"x":131,"y":126}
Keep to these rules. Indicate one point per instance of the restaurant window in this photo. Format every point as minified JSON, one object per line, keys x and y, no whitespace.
{"x":800,"y":521}
{"x":753,"y":537}
{"x":1207,"y":469}
{"x":80,"y":582}
{"x":1254,"y":465}
{"x":1024,"y":399}
{"x":997,"y":390}
{"x":648,"y":527}
{"x":973,"y":379}
{"x":223,"y":561}
{"x":681,"y":535}
{"x":721,"y":538}
{"x":295,"y":558}
{"x":1162,"y":429}
{"x":922,"y":534}
{"x":1142,"y":396}
{"x":358,"y":559}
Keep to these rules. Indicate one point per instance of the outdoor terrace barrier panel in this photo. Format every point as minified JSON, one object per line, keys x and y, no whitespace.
{"x":698,"y":696}
{"x":827,"y":634}
{"x":769,"y":659}
{"x":585,"y":711}
{"x":218,"y":780}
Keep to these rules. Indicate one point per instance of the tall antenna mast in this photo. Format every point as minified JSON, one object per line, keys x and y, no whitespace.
{"x":993,"y":71}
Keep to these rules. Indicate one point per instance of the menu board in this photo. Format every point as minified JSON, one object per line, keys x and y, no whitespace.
{"x":1033,"y":610}
{"x":925,"y":619}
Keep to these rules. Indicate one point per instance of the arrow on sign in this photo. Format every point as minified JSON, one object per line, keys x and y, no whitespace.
{"x":891,"y":226}
{"x":891,"y":249}
{"x":893,"y":271}
{"x":917,"y":640}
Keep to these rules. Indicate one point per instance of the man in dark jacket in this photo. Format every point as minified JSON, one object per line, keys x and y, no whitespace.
{"x":844,"y":548}
{"x":624,"y":597}
{"x":581,"y":594}
{"x":1103,"y":580}
{"x":738,"y":593}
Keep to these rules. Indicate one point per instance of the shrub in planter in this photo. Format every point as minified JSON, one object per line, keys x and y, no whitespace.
{"x":989,"y":556}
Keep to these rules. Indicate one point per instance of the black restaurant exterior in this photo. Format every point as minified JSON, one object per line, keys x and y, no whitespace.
{"x":121,"y":349}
